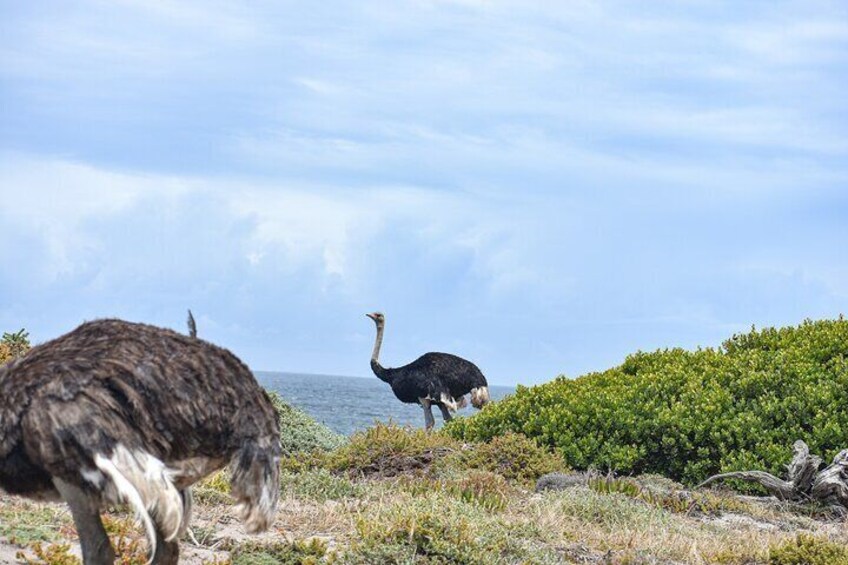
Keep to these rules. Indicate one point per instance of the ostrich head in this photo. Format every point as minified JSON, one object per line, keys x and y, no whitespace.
{"x":378,"y":318}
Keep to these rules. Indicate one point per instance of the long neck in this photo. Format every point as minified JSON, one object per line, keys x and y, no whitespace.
{"x":378,"y":369}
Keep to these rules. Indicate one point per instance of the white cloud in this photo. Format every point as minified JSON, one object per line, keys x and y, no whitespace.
{"x":291,"y":228}
{"x":53,"y":200}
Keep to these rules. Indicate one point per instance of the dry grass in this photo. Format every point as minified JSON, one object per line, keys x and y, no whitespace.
{"x":425,"y":520}
{"x":362,"y":507}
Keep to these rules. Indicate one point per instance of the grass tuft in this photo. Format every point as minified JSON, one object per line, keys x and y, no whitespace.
{"x":513,"y":456}
{"x":388,"y":450}
{"x":807,"y":549}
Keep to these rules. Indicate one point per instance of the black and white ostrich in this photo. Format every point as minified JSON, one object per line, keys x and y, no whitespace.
{"x":439,"y":379}
{"x":117,"y":412}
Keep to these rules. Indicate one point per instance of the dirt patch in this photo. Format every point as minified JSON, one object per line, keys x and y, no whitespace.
{"x":395,"y":465}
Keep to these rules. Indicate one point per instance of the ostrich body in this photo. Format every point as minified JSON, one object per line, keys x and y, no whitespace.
{"x":121,"y":412}
{"x":439,"y":379}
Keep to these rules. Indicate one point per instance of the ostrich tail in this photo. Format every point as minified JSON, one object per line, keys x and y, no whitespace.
{"x":479,"y":396}
{"x":145,"y":483}
{"x":255,"y":483}
{"x":192,"y":326}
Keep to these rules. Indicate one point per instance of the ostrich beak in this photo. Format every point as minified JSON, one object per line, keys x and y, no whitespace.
{"x":371,"y":316}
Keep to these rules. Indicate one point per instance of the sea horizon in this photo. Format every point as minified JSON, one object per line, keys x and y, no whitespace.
{"x":347,"y":403}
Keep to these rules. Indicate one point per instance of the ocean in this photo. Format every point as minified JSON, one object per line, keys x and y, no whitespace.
{"x":349,"y":404}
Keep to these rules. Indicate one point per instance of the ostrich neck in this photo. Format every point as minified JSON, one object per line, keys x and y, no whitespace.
{"x":375,"y":356}
{"x":378,"y":342}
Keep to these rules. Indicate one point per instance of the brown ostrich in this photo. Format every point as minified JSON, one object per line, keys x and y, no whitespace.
{"x":117,"y":412}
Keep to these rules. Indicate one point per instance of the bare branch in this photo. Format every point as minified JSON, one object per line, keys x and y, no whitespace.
{"x":781,"y":489}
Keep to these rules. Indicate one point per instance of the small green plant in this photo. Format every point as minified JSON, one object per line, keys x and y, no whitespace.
{"x":441,"y":527}
{"x":300,"y":552}
{"x":13,"y":345}
{"x":56,"y":554}
{"x":214,"y":489}
{"x":673,"y":501}
{"x":300,"y":432}
{"x":513,"y":456}
{"x":129,"y":547}
{"x":484,"y":489}
{"x":807,"y":549}
{"x":30,"y":523}
{"x":389,"y":450}
{"x":611,"y":485}
{"x":319,"y":485}
{"x":304,"y":461}
{"x":426,"y":534}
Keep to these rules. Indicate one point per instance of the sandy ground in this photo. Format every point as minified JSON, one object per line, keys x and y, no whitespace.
{"x":215,"y":528}
{"x":209,"y":550}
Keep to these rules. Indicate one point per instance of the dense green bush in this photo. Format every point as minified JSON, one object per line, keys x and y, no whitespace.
{"x":689,"y":414}
{"x":300,"y":433}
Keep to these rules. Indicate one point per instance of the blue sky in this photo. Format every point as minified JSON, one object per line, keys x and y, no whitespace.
{"x":540,"y":187}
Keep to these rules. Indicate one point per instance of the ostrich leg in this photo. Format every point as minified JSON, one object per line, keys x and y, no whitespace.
{"x":96,"y":549}
{"x":445,"y":413}
{"x":167,"y":552}
{"x":429,"y":421}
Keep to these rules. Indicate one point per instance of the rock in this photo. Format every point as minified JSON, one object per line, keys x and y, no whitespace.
{"x":560,"y":481}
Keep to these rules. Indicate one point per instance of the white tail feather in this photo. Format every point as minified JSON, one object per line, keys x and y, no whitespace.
{"x":146,"y":484}
{"x":479,"y":396}
{"x":449,"y":402}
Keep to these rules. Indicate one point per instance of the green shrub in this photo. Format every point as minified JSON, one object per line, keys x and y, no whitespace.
{"x":318,"y":485}
{"x":807,"y":549}
{"x":690,"y":414}
{"x":436,"y":527}
{"x":31,"y":522}
{"x":513,"y":456}
{"x":56,"y":554}
{"x":299,"y":432}
{"x":214,"y":489}
{"x":430,"y":534}
{"x":679,"y":501}
{"x":389,"y":450}
{"x":484,"y":489}
{"x":300,"y":552}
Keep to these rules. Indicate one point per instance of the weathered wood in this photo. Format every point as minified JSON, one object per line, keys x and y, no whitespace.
{"x":781,"y":489}
{"x":830,"y":485}
{"x":802,"y":470}
{"x":805,"y":481}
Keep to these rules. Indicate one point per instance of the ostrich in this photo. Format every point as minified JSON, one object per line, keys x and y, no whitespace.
{"x":116,"y":412}
{"x":434,"y":378}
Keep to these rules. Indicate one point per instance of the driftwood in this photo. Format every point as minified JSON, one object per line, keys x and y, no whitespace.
{"x":804,"y":480}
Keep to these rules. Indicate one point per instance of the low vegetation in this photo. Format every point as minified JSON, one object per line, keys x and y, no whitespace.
{"x":388,"y":450}
{"x":807,"y":549}
{"x":395,"y":495}
{"x":301,"y":433}
{"x":472,"y":504}
{"x":513,"y":456}
{"x":690,"y":414}
{"x":13,"y":345}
